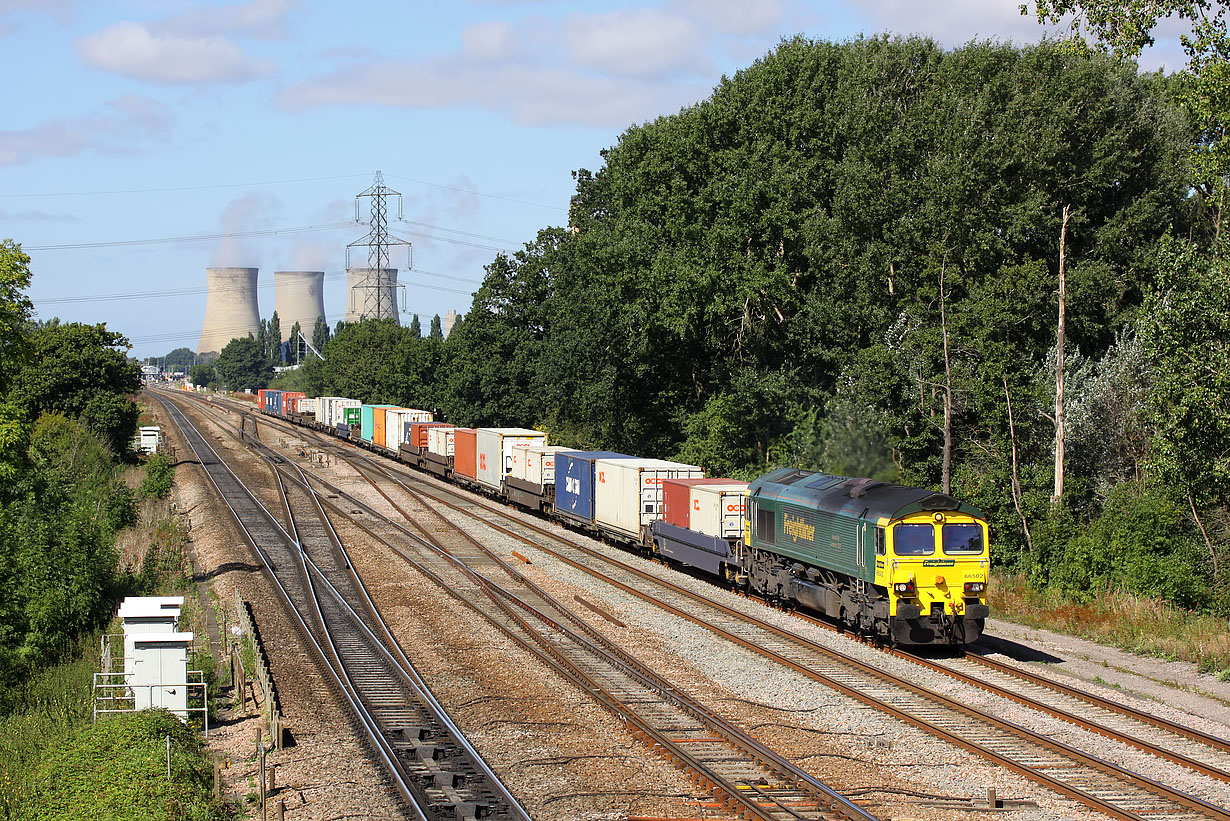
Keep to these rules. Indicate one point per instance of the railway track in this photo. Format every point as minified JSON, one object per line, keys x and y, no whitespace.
{"x":744,"y":775}
{"x":1087,"y":778}
{"x":437,"y":773}
{"x":1097,"y":783}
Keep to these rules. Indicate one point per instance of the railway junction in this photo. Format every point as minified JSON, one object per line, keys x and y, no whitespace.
{"x":439,"y":655}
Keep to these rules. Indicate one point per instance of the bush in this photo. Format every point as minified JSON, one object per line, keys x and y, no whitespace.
{"x":116,"y":769}
{"x":1140,"y":543}
{"x":159,"y":476}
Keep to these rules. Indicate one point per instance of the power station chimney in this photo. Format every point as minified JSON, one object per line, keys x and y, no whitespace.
{"x":450,"y":319}
{"x":230,"y":307}
{"x":361,"y":284}
{"x":299,"y":297}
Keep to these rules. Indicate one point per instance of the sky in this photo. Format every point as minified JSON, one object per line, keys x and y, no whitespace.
{"x":145,"y":140}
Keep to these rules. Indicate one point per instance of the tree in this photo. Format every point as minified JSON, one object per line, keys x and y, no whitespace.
{"x":1126,"y":27}
{"x":82,"y":372}
{"x":296,"y":346}
{"x":320,"y":334}
{"x":15,"y":308}
{"x":1187,"y":323}
{"x":242,"y":365}
{"x":273,"y":350}
{"x":437,"y":329}
{"x":179,"y":360}
{"x":415,"y":328}
{"x":202,"y":374}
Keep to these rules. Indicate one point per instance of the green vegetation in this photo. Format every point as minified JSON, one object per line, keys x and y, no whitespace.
{"x":117,"y":768}
{"x":847,"y":258}
{"x":159,"y":476}
{"x":243,"y":365}
{"x":1120,"y":619}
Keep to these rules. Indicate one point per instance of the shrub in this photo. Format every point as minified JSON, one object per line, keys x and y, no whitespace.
{"x":159,"y":476}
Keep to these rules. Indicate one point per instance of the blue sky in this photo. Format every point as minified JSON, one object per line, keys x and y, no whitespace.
{"x":156,"y":119}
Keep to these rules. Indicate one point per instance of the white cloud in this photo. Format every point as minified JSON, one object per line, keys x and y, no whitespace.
{"x":607,"y":69}
{"x":736,"y":16}
{"x":636,"y":43}
{"x":133,"y":50}
{"x":489,"y":41}
{"x":530,"y":95}
{"x":123,"y":125}
{"x":197,"y":46}
{"x":265,"y":19}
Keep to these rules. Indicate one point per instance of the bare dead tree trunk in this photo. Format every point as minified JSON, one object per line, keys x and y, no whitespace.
{"x":1016,"y":477}
{"x":1208,"y":542}
{"x":946,"y":475}
{"x":1059,"y":344}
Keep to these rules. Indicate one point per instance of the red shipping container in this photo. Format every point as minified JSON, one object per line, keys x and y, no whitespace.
{"x":260,"y":398}
{"x":676,"y":498}
{"x":290,"y":404}
{"x":465,"y":452}
{"x":418,"y":432}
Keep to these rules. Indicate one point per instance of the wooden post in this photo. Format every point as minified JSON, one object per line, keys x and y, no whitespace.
{"x":273,"y":780}
{"x":260,"y":747}
{"x":280,"y":815}
{"x":1059,"y":345}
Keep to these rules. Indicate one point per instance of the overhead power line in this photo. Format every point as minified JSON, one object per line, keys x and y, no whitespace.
{"x":194,"y":238}
{"x":181,"y":188}
{"x":129,"y":296}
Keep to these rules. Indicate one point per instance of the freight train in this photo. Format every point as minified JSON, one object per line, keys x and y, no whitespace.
{"x":897,"y":564}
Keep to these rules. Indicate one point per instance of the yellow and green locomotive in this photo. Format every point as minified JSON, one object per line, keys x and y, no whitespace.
{"x":902,"y":564}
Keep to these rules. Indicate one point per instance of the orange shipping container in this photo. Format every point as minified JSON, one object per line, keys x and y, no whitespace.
{"x":418,"y":433}
{"x":378,"y":426}
{"x":465,"y":448}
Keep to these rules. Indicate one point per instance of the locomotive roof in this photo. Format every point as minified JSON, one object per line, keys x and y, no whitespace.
{"x":859,"y":498}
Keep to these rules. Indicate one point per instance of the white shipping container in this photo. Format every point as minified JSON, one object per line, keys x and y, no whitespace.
{"x":331,"y":413}
{"x":395,"y":420}
{"x":536,"y":464}
{"x":628,"y":492}
{"x":440,"y":441}
{"x":717,"y":510}
{"x":308,"y":405}
{"x":494,"y":451}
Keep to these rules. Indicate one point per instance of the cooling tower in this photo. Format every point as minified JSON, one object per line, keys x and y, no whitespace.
{"x":230,"y":308}
{"x":450,"y":319}
{"x":371,"y":297}
{"x":299,"y":297}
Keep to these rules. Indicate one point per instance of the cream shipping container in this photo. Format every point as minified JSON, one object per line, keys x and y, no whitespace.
{"x":628,"y":493}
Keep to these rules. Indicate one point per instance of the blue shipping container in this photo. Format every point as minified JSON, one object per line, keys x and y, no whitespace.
{"x":574,"y":481}
{"x":275,"y":401}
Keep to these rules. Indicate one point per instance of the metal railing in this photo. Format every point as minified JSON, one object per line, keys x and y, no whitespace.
{"x":114,"y":693}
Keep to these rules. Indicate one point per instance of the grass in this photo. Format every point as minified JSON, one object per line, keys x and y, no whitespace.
{"x":1139,"y":625}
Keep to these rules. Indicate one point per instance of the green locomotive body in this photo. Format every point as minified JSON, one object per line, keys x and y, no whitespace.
{"x":902,"y":564}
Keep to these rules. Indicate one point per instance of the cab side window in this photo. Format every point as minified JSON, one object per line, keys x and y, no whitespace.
{"x":766,"y":525}
{"x":881,"y":547}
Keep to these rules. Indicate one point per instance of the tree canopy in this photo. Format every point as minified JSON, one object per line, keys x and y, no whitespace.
{"x":244,"y":365}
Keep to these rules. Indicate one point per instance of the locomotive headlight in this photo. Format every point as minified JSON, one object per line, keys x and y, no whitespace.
{"x":904,"y":588}
{"x":975,"y":587}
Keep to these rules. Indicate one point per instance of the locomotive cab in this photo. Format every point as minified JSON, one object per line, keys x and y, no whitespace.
{"x":934,"y":565}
